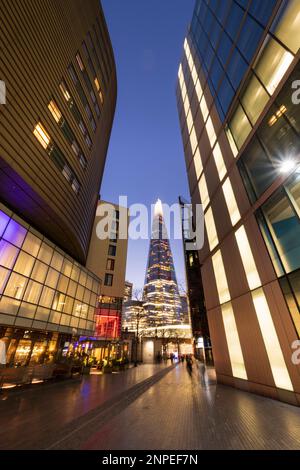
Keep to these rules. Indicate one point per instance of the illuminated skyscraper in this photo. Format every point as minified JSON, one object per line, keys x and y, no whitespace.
{"x":161,"y":295}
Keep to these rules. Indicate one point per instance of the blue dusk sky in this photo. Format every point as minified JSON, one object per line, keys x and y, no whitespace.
{"x":145,"y":158}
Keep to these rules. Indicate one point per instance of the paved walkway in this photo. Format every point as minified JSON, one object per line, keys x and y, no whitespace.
{"x":151,"y":407}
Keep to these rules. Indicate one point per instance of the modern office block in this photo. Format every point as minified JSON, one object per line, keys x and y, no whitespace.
{"x":58,"y":67}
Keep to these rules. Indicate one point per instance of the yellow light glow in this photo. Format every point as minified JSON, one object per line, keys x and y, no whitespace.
{"x":204,"y":108}
{"x":232,"y":206}
{"x":247,"y":258}
{"x":158,"y":209}
{"x":275,"y":355}
{"x":204,"y":196}
{"x":198,"y":163}
{"x":233,"y":342}
{"x":42,"y":136}
{"x":220,"y":164}
{"x":211,"y":229}
{"x":211,"y":132}
{"x":282,"y":66}
{"x":193,"y":140}
{"x":220,"y":276}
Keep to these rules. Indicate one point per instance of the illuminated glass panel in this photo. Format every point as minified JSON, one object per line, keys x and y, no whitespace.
{"x":198,"y":163}
{"x":254,"y":99}
{"x":272,"y":64}
{"x":231,"y":141}
{"x":233,"y":342}
{"x":211,"y":229}
{"x":204,"y":108}
{"x":232,"y":206}
{"x":275,"y":355}
{"x":240,"y":126}
{"x":247,"y":258}
{"x":41,"y":135}
{"x":193,"y":140}
{"x":211,"y":132}
{"x":287,"y":25}
{"x":220,"y":276}
{"x":203,"y":192}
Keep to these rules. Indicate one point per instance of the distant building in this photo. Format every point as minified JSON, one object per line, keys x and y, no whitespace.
{"x":128,"y":291}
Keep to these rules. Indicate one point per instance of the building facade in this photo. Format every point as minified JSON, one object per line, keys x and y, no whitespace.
{"x":161,"y":295}
{"x":239,"y":114}
{"x":195,"y":293}
{"x":60,"y":81}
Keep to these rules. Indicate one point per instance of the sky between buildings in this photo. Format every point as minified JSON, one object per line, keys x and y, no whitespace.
{"x":145,"y":158}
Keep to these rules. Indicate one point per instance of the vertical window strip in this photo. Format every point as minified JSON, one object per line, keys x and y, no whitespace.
{"x":220,"y":276}
{"x":247,"y":258}
{"x":204,"y":196}
{"x":231,"y":203}
{"x":219,"y":161}
{"x":211,"y":229}
{"x":233,"y":342}
{"x":278,"y":366}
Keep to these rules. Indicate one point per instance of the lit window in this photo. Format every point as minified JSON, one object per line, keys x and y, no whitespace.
{"x":203,"y":192}
{"x":204,"y":108}
{"x":186,"y":104}
{"x":41,"y":135}
{"x":219,"y":161}
{"x":193,"y":140}
{"x":272,"y":64}
{"x":211,"y":132}
{"x":198,"y":90}
{"x":53,"y":108}
{"x":267,"y":328}
{"x":108,"y":280}
{"x":198,"y":163}
{"x":254,"y":99}
{"x":190,"y":121}
{"x":194,"y":75}
{"x":220,"y":276}
{"x":98,"y":88}
{"x":232,"y":207}
{"x":180,"y":75}
{"x":240,"y":126}
{"x":79,"y":62}
{"x":233,"y":342}
{"x":211,"y":229}
{"x":247,"y":258}
{"x":287,"y":29}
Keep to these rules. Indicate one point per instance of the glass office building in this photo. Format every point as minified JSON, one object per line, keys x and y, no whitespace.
{"x":55,"y":127}
{"x":239,"y":114}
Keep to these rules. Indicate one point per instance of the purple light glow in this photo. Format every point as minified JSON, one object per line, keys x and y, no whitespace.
{"x":3,"y":222}
{"x":15,"y":233}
